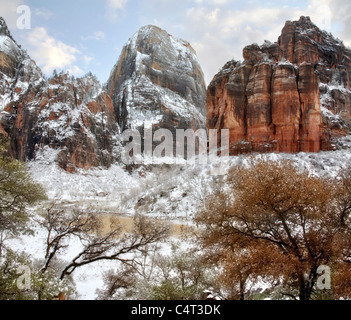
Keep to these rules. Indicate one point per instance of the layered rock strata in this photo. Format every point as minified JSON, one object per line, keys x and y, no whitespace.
{"x":285,"y":96}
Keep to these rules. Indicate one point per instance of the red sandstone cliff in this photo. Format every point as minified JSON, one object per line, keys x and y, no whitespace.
{"x":70,"y":120}
{"x":286,"y":96}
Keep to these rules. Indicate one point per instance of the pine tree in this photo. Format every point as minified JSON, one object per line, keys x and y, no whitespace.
{"x":17,"y":192}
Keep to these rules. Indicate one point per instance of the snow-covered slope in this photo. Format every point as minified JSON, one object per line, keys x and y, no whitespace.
{"x":169,"y":192}
{"x":172,"y":193}
{"x":158,"y":81}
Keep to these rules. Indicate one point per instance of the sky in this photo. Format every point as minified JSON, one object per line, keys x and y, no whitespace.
{"x":82,"y":36}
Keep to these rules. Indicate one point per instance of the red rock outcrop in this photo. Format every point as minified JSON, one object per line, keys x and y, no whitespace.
{"x":279,"y":97}
{"x":157,"y":82}
{"x":63,"y":115}
{"x":71,"y":120}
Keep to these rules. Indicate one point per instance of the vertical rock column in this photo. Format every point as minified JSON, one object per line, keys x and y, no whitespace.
{"x":311,"y":121}
{"x":259,"y":113}
{"x":286,"y":112}
{"x":235,"y":117}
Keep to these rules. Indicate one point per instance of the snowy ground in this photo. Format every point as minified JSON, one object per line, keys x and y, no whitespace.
{"x":172,"y":193}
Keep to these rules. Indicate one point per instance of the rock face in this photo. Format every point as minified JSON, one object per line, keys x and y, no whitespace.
{"x":289,"y":96}
{"x":158,"y":82}
{"x":70,"y":119}
{"x":10,"y":52}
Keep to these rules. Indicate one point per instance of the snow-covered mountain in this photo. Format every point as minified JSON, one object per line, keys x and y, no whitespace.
{"x":75,"y":125}
{"x":157,"y":81}
{"x":73,"y":117}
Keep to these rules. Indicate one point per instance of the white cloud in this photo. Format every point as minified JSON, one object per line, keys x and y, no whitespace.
{"x":87,"y":59}
{"x":219,"y":30}
{"x":114,"y":7}
{"x":44,"y":13}
{"x":212,"y":2}
{"x":75,"y":70}
{"x":220,"y":34}
{"x":219,"y":2}
{"x":340,"y":11}
{"x":117,"y":4}
{"x":51,"y":53}
{"x":98,"y":35}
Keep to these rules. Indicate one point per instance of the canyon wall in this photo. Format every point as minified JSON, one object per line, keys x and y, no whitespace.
{"x":289,"y":96}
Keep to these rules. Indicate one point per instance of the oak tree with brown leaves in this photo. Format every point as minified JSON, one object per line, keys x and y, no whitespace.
{"x":281,"y":224}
